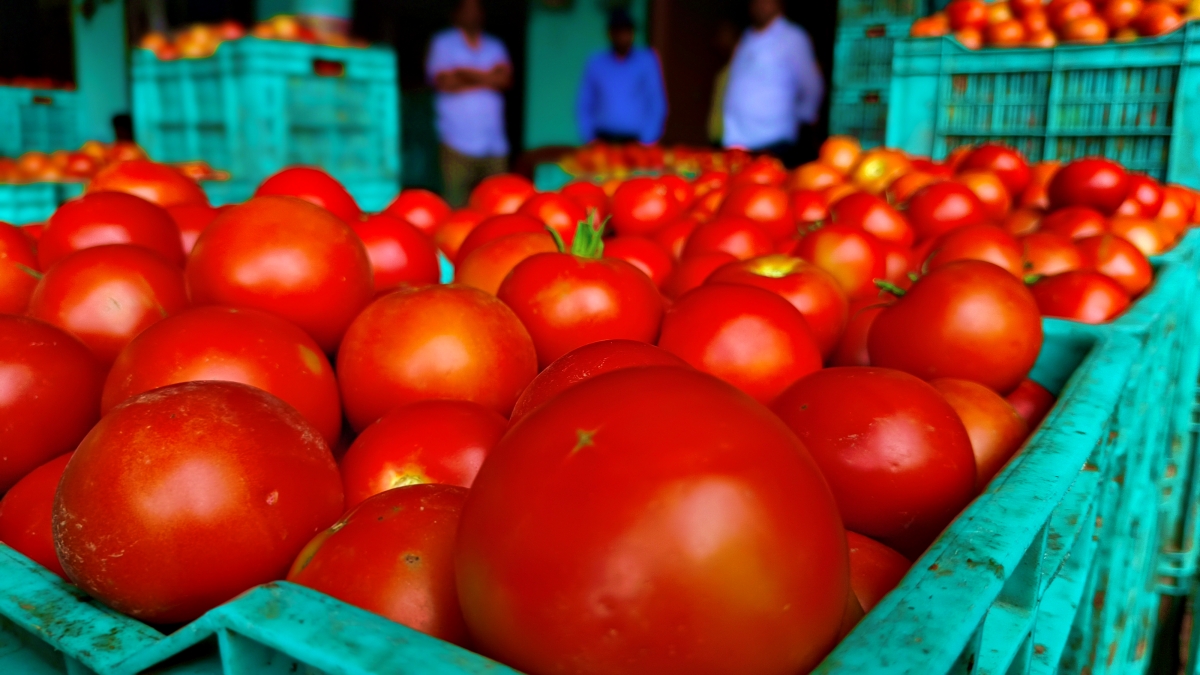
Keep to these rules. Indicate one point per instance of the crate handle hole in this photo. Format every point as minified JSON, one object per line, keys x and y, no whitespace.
{"x":327,"y":68}
{"x":871,"y":97}
{"x":876,"y":31}
{"x":43,"y":100}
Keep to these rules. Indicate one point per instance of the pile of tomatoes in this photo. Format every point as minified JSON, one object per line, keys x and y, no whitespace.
{"x":65,"y":165}
{"x":705,"y":441}
{"x":201,"y":40}
{"x":36,"y":83}
{"x":1035,"y":23}
{"x":612,"y":162}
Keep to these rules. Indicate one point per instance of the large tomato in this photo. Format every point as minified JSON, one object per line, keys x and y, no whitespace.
{"x":645,"y":254}
{"x":1022,"y":222}
{"x":996,"y":429}
{"x":766,"y":205}
{"x":288,"y":257}
{"x":393,"y":555}
{"x":875,"y":569}
{"x":691,"y":272}
{"x":1157,"y":18}
{"x":184,"y":497}
{"x":557,"y":212}
{"x":695,"y":562}
{"x":967,"y":14}
{"x":942,"y":207}
{"x":898,"y":459}
{"x":191,"y":219}
{"x":1145,"y":198}
{"x":458,"y":343}
{"x":1084,"y":296}
{"x":495,"y":227}
{"x":1149,"y":236}
{"x":808,"y":207}
{"x":234,"y":345}
{"x":1075,"y":222}
{"x":1118,"y":259}
{"x":314,"y":186}
{"x":1032,"y":402}
{"x":747,"y":336}
{"x":420,"y":208}
{"x":841,"y":153}
{"x":590,"y":196}
{"x":873,"y":214}
{"x":1061,"y":12}
{"x":673,"y":237}
{"x":455,"y":229}
{"x":156,"y":183}
{"x":398,"y":252}
{"x":26,"y":513}
{"x":968,"y":320}
{"x":106,"y":295}
{"x":991,"y":192}
{"x":1099,"y":184}
{"x":489,"y":264}
{"x":18,"y":270}
{"x":852,"y":348}
{"x":1047,"y":253}
{"x":740,"y":237}
{"x":642,"y":206}
{"x":854,"y":257}
{"x":498,"y":195}
{"x":1007,"y":164}
{"x":109,"y":218}
{"x":978,"y":242}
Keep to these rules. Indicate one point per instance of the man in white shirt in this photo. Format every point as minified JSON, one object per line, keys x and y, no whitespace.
{"x":775,"y":85}
{"x":469,"y":69}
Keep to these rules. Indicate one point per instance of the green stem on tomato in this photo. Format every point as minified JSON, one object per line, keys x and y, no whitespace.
{"x":589,"y":239}
{"x":30,"y":271}
{"x":890,"y":288}
{"x":558,"y":240}
{"x":1031,"y":279}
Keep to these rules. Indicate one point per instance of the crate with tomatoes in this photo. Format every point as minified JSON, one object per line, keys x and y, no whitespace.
{"x":659,"y":425}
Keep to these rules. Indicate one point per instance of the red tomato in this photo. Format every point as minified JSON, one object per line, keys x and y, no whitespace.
{"x":1145,"y":198}
{"x":18,"y":270}
{"x":762,"y":170}
{"x":398,"y":252}
{"x":854,"y":258}
{"x":1147,"y":235}
{"x":33,"y":232}
{"x":967,"y":14}
{"x":643,"y":206}
{"x":873,"y":214}
{"x":1032,"y":402}
{"x":971,"y":38}
{"x":454,"y":230}
{"x":1090,"y":30}
{"x":684,"y":191}
{"x":1037,"y":26}
{"x":420,"y":208}
{"x":284,"y":256}
{"x":27,"y":511}
{"x":968,"y":320}
{"x":1076,"y":222}
{"x":192,"y":219}
{"x":739,"y":237}
{"x":1022,"y":222}
{"x":852,"y":348}
{"x":314,"y":186}
{"x":900,"y":260}
{"x":233,"y":345}
{"x":1061,"y":12}
{"x":458,"y":343}
{"x":747,"y":336}
{"x":898,"y":460}
{"x":498,"y":226}
{"x":557,"y":212}
{"x":908,"y":185}
{"x":1022,"y":8}
{"x":1087,"y":297}
{"x":1004,"y":162}
{"x":1119,"y":260}
{"x":159,"y":184}
{"x":810,"y":289}
{"x":406,"y":537}
{"x":1096,"y":183}
{"x":714,"y":470}
{"x":590,"y":196}
{"x":1006,"y":33}
{"x":1047,"y":254}
{"x":443,"y":442}
{"x":942,"y":207}
{"x":502,"y":194}
{"x":488,"y":265}
{"x":766,"y":205}
{"x":1037,"y":195}
{"x":1157,"y":18}
{"x":808,"y":207}
{"x":106,"y":295}
{"x":691,"y":272}
{"x":875,"y":569}
{"x":978,"y":242}
{"x":105,"y":218}
{"x":182,"y":498}
{"x":997,"y":431}
{"x":644,"y":254}
{"x":991,"y":192}
{"x":673,"y":237}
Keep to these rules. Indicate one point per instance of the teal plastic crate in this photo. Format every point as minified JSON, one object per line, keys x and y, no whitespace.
{"x":38,"y":119}
{"x":28,"y":203}
{"x":550,"y":177}
{"x":257,"y":106}
{"x":863,"y":11}
{"x":861,"y":113}
{"x":1134,"y":103}
{"x":862,"y":53}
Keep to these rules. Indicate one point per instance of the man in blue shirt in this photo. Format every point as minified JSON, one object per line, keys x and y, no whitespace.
{"x":469,"y":69}
{"x":622,"y":98}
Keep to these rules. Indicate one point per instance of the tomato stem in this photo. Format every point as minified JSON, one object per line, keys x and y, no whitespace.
{"x":589,"y":238}
{"x":1031,"y":279}
{"x":889,"y":287}
{"x":30,"y":271}
{"x":558,"y":240}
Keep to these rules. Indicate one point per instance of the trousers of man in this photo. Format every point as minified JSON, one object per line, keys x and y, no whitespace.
{"x":461,"y":173}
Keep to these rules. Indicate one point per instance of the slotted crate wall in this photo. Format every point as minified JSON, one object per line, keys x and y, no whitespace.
{"x":38,"y":119}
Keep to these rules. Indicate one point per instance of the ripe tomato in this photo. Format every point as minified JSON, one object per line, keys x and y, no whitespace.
{"x":996,"y":430}
{"x":873,"y":214}
{"x":766,"y":205}
{"x":284,"y":256}
{"x":691,"y":272}
{"x":1076,"y":222}
{"x":967,"y":14}
{"x":991,"y":192}
{"x":1036,"y":25}
{"x":1087,"y":30}
{"x":454,"y":230}
{"x":27,"y":511}
{"x":643,"y":206}
{"x":747,"y":336}
{"x":406,"y":538}
{"x":1022,"y":8}
{"x":1145,"y":197}
{"x":1157,"y":18}
{"x":498,"y":226}
{"x":1147,"y":235}
{"x":674,"y":236}
{"x":1037,"y":195}
{"x":879,"y":168}
{"x":1061,"y":12}
{"x":841,"y":153}
{"x":900,"y":261}
{"x":971,"y":38}
{"x":191,"y":219}
{"x":502,"y":194}
{"x":182,"y":498}
{"x":103,"y":218}
{"x":1047,"y":254}
{"x":443,"y":442}
{"x":901,"y":191}
{"x":422,"y":209}
{"x":398,"y":252}
{"x":762,"y":170}
{"x":898,"y":460}
{"x":159,"y":184}
{"x":1032,"y":402}
{"x":810,"y":289}
{"x":557,"y":212}
{"x":852,"y":348}
{"x":106,"y":295}
{"x":683,"y":190}
{"x":459,"y":343}
{"x":1022,"y":222}
{"x":488,"y":265}
{"x":1119,"y":260}
{"x":936,"y":25}
{"x":1087,"y":297}
{"x":1096,"y":183}
{"x":233,"y":345}
{"x":739,"y":237}
{"x":590,"y":196}
{"x":814,"y":176}
{"x":1007,"y":33}
{"x":998,"y":12}
{"x":1120,"y":13}
{"x":18,"y":270}
{"x":978,"y":242}
{"x":711,"y":464}
{"x":314,"y":186}
{"x":1040,"y":39}
{"x":1175,"y":213}
{"x":941,"y":207}
{"x":875,"y":569}
{"x":968,"y":320}
{"x":854,"y":258}
{"x":645,"y":254}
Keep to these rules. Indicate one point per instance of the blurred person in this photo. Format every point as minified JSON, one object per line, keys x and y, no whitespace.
{"x":622,"y":98}
{"x":725,"y":41}
{"x":775,"y":85}
{"x":469,"y":69}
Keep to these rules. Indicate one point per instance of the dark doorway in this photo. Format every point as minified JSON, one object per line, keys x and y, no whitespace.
{"x":35,"y":40}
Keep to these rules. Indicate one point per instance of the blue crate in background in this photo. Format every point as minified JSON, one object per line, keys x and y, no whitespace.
{"x":859,"y":11}
{"x":861,"y":113}
{"x":38,"y":119}
{"x":862,"y":53}
{"x":30,"y":203}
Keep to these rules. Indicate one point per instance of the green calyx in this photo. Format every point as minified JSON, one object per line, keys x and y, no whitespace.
{"x":889,"y":287}
{"x":589,"y":239}
{"x":30,"y":271}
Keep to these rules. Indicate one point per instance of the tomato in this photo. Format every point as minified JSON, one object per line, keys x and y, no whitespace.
{"x":968,"y":320}
{"x":443,"y":442}
{"x":739,"y":237}
{"x":104,"y":218}
{"x":106,"y":295}
{"x":900,"y":261}
{"x":1022,"y":8}
{"x":1147,"y":235}
{"x":1119,"y":260}
{"x":18,"y":270}
{"x":854,"y":258}
{"x":762,"y":170}
{"x":991,"y":192}
{"x":967,"y":14}
{"x":936,"y":25}
{"x":814,"y":176}
{"x":502,"y":194}
{"x":1175,"y":213}
{"x":1061,"y":12}
{"x":852,"y":348}
{"x":766,"y":205}
{"x":498,"y":226}
{"x":398,"y":252}
{"x":557,"y":212}
{"x":1084,"y":296}
{"x":1037,"y":195}
{"x":674,"y":236}
{"x":459,"y":343}
{"x":284,"y":256}
{"x":422,"y":209}
{"x":405,"y":539}
{"x":683,"y":190}
{"x":570,"y":299}
{"x":1120,"y":13}
{"x":642,"y":206}
{"x":1007,"y":33}
{"x":879,"y":168}
{"x":714,"y":469}
{"x":159,"y":184}
{"x":1157,"y":18}
{"x":978,"y":242}
{"x":1042,"y":39}
{"x":1032,"y":402}
{"x":454,"y":230}
{"x":941,"y":207}
{"x":1145,"y":198}
{"x":1047,"y":254}
{"x":1076,"y":222}
{"x":590,"y":196}
{"x":898,"y":460}
{"x":996,"y":430}
{"x":747,"y":336}
{"x":644,"y":254}
{"x":971,"y":38}
{"x":1089,"y":30}
{"x":873,"y":214}
{"x":191,"y":219}
{"x":1022,"y":222}
{"x":998,"y":12}
{"x":33,"y":232}
{"x":1037,"y":26}
{"x":901,"y":191}
{"x":875,"y":569}
{"x":488,"y":265}
{"x":184,"y":497}
{"x":691,"y":272}
{"x":1096,"y":183}
{"x":233,"y":345}
{"x":315,"y":186}
{"x":841,"y":153}
{"x":26,"y":512}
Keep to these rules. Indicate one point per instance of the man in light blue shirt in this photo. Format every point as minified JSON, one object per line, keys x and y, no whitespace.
{"x":469,"y":69}
{"x":622,"y":98}
{"x":775,"y":85}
